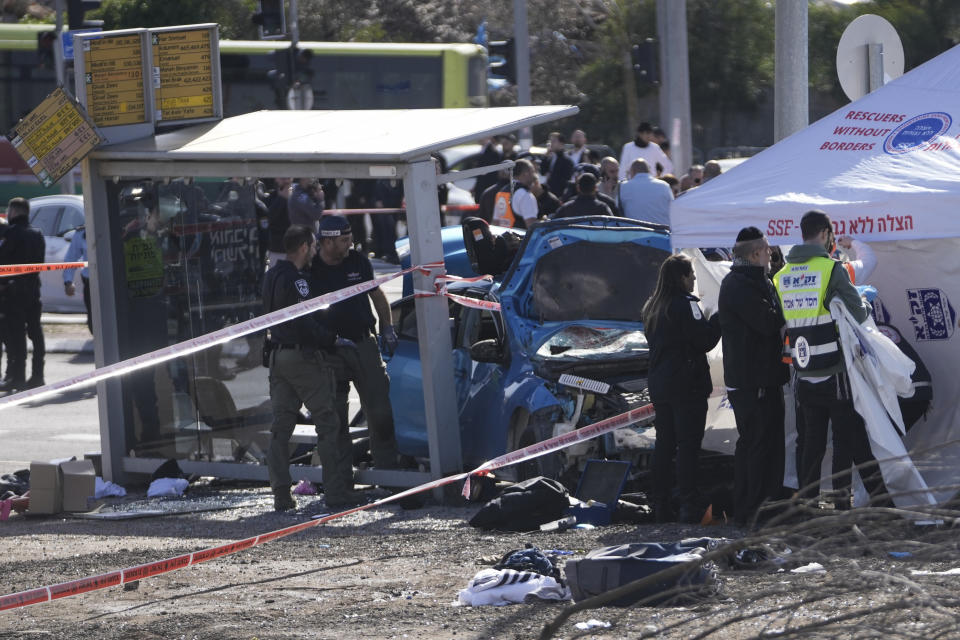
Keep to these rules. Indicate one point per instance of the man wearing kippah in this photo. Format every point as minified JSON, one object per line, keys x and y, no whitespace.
{"x":336,"y":266}
{"x":751,"y":322}
{"x":806,"y":285}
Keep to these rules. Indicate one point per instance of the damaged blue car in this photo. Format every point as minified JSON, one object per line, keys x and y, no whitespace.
{"x":566,"y":349}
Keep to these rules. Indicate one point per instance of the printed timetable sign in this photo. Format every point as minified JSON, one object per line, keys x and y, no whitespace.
{"x":54,"y":137}
{"x":110,"y":68}
{"x":186,"y":73}
{"x":132,"y":80}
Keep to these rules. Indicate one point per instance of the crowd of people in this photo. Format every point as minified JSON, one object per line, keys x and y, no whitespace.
{"x":573,"y":180}
{"x":768,"y":341}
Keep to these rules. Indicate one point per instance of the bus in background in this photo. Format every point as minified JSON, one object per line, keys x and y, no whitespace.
{"x":342,"y":75}
{"x":354,"y":75}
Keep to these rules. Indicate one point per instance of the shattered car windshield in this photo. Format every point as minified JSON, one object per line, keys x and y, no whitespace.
{"x":580,"y":342}
{"x":595,"y":281}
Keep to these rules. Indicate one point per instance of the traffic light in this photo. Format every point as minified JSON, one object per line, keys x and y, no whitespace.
{"x":46,"y":41}
{"x":645,"y":62}
{"x":75,"y":14}
{"x":503,"y":59}
{"x":270,"y":19}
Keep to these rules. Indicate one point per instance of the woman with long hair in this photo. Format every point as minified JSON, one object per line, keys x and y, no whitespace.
{"x":679,"y":335}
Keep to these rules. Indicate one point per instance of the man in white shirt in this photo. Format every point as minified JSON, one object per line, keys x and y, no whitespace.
{"x":520,"y":208}
{"x":644,"y":197}
{"x":643,"y":147}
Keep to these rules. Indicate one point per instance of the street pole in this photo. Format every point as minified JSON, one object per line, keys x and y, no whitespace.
{"x":791,"y":77}
{"x":67,"y":183}
{"x":675,"y":81}
{"x":521,"y":40}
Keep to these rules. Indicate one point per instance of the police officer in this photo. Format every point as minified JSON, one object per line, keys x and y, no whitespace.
{"x":680,"y":335}
{"x":336,"y":266}
{"x":22,"y":244}
{"x":301,"y":372}
{"x":806,"y":285}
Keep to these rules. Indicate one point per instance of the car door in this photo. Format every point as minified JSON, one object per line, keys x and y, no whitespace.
{"x":480,"y":385}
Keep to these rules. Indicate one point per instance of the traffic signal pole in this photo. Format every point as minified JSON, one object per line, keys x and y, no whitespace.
{"x":521,"y":39}
{"x":67,"y":183}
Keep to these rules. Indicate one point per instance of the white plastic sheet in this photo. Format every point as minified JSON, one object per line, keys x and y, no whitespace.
{"x":878,"y":372}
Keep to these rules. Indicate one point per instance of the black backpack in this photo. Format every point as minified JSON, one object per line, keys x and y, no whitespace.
{"x":524,"y":506}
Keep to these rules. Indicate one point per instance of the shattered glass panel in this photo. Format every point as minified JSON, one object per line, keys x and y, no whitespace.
{"x":581,"y":342}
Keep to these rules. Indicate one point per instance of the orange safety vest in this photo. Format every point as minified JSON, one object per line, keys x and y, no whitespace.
{"x":503,"y":215}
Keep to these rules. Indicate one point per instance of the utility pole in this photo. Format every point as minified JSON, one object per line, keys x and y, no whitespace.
{"x":675,"y":81}
{"x":521,"y":39}
{"x":67,"y":183}
{"x":791,"y":76}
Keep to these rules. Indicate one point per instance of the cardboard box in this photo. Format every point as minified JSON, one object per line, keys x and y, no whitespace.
{"x":79,"y":484}
{"x":45,"y":475}
{"x":45,"y":501}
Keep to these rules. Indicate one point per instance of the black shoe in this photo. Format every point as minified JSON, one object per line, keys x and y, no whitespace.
{"x":283,"y":502}
{"x":12,"y":384}
{"x":33,"y":383}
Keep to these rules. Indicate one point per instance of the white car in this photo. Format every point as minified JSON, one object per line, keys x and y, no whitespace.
{"x":58,"y":217}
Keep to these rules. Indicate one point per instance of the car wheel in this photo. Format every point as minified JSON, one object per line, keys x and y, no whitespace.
{"x":529,"y":430}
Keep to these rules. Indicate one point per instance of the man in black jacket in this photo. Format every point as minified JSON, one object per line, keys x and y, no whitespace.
{"x":22,"y":244}
{"x":586,"y":202}
{"x":751,"y":322}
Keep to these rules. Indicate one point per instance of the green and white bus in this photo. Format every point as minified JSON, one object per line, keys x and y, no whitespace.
{"x":343,"y":75}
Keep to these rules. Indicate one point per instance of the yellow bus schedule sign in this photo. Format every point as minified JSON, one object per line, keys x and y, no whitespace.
{"x":113,"y":75}
{"x":183,"y":77}
{"x":54,"y":137}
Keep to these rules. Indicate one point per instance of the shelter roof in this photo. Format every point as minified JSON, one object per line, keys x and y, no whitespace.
{"x":382,"y":136}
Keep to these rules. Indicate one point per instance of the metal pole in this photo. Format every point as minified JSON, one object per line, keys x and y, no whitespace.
{"x":67,"y":183}
{"x":675,"y":81}
{"x":521,"y":40}
{"x":433,"y":322}
{"x":875,"y":66}
{"x":791,"y":77}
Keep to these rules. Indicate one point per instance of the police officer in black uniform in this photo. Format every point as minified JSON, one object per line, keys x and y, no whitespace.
{"x":301,"y":372}
{"x":680,"y":335}
{"x":336,"y":266}
{"x":22,"y":244}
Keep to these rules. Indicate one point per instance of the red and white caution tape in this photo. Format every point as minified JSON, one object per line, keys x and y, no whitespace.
{"x":441,"y":290}
{"x":139,"y":572}
{"x":202,"y":342}
{"x":447,"y":208}
{"x":8,"y":270}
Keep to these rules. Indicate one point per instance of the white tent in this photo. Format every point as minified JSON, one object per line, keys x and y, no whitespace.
{"x":886,"y":168}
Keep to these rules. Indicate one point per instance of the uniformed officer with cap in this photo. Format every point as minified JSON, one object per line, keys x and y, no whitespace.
{"x":336,"y":266}
{"x":301,"y":373}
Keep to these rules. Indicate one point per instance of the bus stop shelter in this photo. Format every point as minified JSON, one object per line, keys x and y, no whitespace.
{"x":174,"y":251}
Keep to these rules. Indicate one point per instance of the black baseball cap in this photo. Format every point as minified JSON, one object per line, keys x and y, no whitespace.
{"x":334,"y":226}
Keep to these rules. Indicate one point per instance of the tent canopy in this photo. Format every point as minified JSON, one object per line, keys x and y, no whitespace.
{"x":886,"y":167}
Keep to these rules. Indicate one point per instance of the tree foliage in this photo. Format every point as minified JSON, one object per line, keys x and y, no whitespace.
{"x":232,"y":15}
